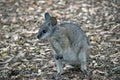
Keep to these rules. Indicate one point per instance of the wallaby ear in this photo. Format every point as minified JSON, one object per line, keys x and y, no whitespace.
{"x":53,"y":21}
{"x":47,"y":17}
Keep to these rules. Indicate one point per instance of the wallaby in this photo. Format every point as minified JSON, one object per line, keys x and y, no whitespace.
{"x":68,"y":42}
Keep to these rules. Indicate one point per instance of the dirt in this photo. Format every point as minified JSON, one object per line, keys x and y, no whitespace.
{"x":24,"y":57}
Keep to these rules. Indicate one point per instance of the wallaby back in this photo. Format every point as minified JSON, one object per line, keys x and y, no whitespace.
{"x":69,"y":35}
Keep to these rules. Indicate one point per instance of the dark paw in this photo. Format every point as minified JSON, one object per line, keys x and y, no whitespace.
{"x":58,"y":57}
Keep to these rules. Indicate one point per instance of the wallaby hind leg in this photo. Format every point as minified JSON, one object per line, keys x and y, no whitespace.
{"x":83,"y":62}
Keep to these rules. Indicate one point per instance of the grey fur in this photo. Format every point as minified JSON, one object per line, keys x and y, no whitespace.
{"x":69,"y":41}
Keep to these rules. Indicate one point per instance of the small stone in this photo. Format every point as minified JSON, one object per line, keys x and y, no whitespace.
{"x":15,"y":37}
{"x":39,"y":71}
{"x":102,"y":57}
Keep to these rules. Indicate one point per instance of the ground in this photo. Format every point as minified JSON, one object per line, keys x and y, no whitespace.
{"x":24,"y":57}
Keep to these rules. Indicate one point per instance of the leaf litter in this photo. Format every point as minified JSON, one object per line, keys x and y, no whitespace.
{"x":23,"y":57}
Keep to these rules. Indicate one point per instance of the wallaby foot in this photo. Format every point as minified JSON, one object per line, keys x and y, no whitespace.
{"x":58,"y":76}
{"x":85,"y":73}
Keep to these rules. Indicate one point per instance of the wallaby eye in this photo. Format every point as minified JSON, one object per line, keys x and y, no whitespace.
{"x":44,"y":31}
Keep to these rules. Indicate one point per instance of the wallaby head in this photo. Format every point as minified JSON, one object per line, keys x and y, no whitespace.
{"x":47,"y":27}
